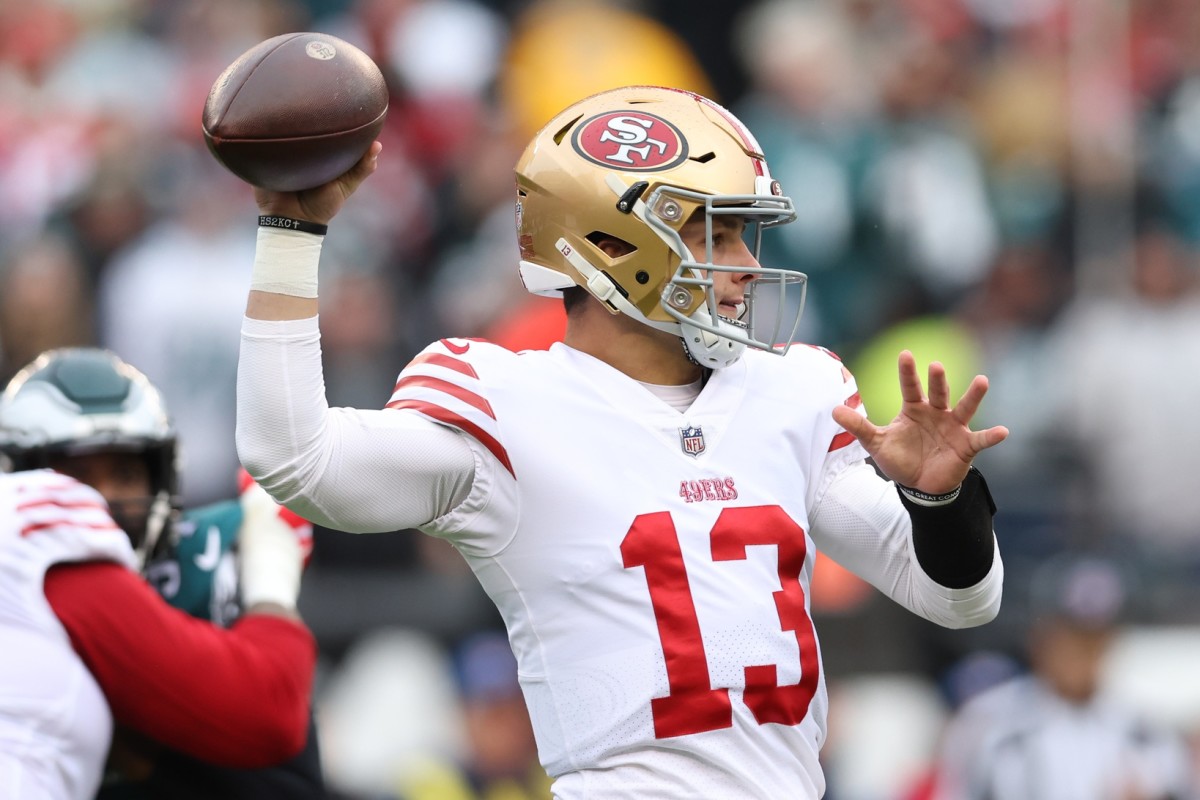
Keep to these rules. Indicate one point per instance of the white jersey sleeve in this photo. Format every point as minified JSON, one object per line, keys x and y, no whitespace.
{"x":861,"y":524}
{"x":357,"y":470}
{"x":442,"y":384}
{"x":55,"y":724}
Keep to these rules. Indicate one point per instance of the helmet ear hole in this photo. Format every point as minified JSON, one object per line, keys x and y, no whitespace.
{"x":642,"y":277}
{"x":611,"y":246}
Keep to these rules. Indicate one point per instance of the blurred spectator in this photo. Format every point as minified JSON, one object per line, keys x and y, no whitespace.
{"x":1006,"y":320}
{"x":563,"y":50}
{"x":385,"y":709}
{"x":931,"y":191}
{"x":45,"y":301}
{"x":1123,"y":397}
{"x":1050,"y":733}
{"x":871,"y":137}
{"x":499,"y":759}
{"x":810,"y":106}
{"x":108,"y":213}
{"x":167,"y":301}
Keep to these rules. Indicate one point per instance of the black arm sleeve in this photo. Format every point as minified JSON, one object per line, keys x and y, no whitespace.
{"x":954,"y":542}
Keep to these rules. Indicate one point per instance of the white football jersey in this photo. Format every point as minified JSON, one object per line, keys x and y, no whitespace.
{"x":652,"y":566}
{"x":55,"y":725}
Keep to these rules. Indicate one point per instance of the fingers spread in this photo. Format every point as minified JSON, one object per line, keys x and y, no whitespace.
{"x":990,"y":437}
{"x":939,"y":386}
{"x":910,"y":381}
{"x":965,"y":410}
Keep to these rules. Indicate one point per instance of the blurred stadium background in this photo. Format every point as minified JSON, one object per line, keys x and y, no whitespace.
{"x":1009,"y":186}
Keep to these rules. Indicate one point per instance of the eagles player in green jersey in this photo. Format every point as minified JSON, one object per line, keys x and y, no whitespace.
{"x":87,"y":413}
{"x":196,"y":569}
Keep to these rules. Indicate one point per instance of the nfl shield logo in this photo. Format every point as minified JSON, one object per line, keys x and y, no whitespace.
{"x":691,"y":439}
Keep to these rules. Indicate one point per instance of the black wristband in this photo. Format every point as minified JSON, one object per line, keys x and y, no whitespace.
{"x":937,"y":499}
{"x":289,"y":224}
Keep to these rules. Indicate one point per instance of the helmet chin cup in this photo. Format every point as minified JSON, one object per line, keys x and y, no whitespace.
{"x":707,"y":348}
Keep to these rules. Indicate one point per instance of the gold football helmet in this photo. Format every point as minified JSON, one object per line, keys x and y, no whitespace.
{"x":635,"y":164}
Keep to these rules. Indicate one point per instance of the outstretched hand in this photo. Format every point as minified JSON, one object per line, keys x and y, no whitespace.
{"x":319,"y":204}
{"x":929,"y":446}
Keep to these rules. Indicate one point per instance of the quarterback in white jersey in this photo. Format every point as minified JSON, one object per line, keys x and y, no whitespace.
{"x":54,"y":722}
{"x":643,"y":501}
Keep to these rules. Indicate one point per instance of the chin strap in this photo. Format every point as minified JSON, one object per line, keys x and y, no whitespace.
{"x":156,"y":525}
{"x":606,"y":291}
{"x":687,"y":352}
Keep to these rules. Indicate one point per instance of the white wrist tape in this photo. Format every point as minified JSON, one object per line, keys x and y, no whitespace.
{"x":285,"y":262}
{"x":270,"y":556}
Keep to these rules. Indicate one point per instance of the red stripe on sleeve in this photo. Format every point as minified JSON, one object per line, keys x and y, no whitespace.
{"x":439,"y":360}
{"x":236,"y":698}
{"x":826,"y":351}
{"x":244,"y":480}
{"x":841,"y":440}
{"x":452,"y":389}
{"x":68,"y":523}
{"x":450,"y":418}
{"x":59,"y":502}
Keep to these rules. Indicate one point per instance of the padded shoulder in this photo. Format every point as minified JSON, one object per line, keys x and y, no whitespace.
{"x":444,"y":383}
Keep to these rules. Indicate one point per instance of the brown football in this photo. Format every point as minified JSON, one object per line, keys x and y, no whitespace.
{"x":295,"y":111}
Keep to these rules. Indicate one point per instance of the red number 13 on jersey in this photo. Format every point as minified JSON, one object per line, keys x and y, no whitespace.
{"x":693,"y":705}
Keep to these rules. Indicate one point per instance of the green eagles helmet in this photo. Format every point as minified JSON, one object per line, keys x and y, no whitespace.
{"x":80,"y":401}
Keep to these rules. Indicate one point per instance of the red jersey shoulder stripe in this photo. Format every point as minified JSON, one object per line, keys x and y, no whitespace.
{"x":845,"y":438}
{"x":824,"y":350}
{"x":448,"y":398}
{"x":458,"y":421}
{"x":452,"y":389}
{"x":34,"y":527}
{"x":59,"y":502}
{"x":449,"y":362}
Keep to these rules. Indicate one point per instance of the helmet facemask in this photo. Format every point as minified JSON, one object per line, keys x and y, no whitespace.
{"x":774,"y":299}
{"x":146,"y":517}
{"x":73,"y":403}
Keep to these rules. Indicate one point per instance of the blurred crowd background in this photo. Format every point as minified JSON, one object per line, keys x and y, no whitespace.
{"x":1009,"y":186}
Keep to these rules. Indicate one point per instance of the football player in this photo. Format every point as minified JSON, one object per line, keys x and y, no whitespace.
{"x":184,"y":695}
{"x":643,"y":501}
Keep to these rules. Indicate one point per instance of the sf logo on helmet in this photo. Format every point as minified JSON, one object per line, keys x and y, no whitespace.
{"x":631,"y":141}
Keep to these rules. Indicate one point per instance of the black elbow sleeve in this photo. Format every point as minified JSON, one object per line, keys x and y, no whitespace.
{"x":954,"y":542}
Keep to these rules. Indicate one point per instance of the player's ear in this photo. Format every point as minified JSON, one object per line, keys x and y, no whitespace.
{"x":611,"y":246}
